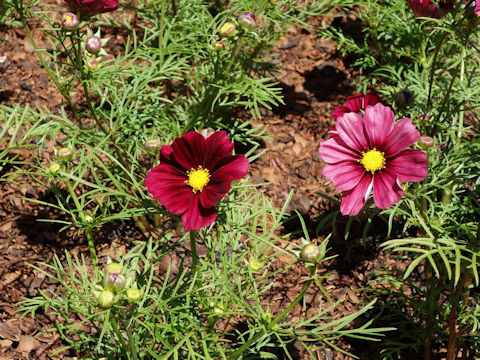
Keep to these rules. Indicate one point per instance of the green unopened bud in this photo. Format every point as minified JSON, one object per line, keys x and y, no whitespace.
{"x":65,"y":154}
{"x":425,"y":142}
{"x":247,"y":20}
{"x":133,"y":295}
{"x":218,"y":45}
{"x":93,"y":44}
{"x":69,"y":21}
{"x":114,"y":267}
{"x":267,"y":316}
{"x":152,"y":145}
{"x":114,"y":282}
{"x":92,"y":63}
{"x":88,"y":219}
{"x":106,"y":298}
{"x":254,"y":264}
{"x":228,"y":29}
{"x":311,"y":253}
{"x":218,"y":308}
{"x":55,"y":168}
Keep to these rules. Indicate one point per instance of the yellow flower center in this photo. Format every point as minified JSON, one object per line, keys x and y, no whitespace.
{"x":372,"y":160}
{"x":68,"y":19}
{"x":197,"y":179}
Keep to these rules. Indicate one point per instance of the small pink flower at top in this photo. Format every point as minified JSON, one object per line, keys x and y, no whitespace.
{"x":355,"y":103}
{"x":370,"y":153}
{"x":92,"y":7}
{"x":194,"y":174}
{"x":426,"y":8}
{"x":476,"y":3}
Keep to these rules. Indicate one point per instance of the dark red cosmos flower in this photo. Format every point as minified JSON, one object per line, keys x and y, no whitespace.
{"x":426,"y":8}
{"x":194,"y":174}
{"x":355,"y":103}
{"x":92,"y":7}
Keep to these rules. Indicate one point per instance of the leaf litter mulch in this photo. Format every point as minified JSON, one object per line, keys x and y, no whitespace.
{"x":314,"y":80}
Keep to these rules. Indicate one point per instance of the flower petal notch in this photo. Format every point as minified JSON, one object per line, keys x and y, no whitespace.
{"x":369,"y":153}
{"x":194,"y":174}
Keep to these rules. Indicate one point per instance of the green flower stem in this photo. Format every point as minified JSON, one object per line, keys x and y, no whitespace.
{"x":432,"y":71}
{"x":88,"y":232}
{"x":193,"y":249}
{"x":117,"y":332}
{"x":277,"y":319}
{"x":161,"y":27}
{"x":131,"y":342}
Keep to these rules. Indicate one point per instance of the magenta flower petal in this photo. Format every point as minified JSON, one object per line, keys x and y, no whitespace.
{"x":355,"y":102}
{"x":92,"y":7}
{"x":403,"y":134}
{"x":189,"y":150}
{"x":335,"y":150}
{"x":379,"y":121}
{"x":197,"y":217}
{"x":354,"y":199}
{"x":477,"y":7}
{"x":370,"y":99}
{"x":386,"y":190}
{"x":350,"y":129}
{"x":333,"y":131}
{"x":194,"y":175}
{"x":410,"y":165}
{"x":344,"y":175}
{"x":339,"y":111}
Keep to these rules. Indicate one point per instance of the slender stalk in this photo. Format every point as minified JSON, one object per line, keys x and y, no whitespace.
{"x":117,"y":332}
{"x":162,"y":27}
{"x":275,"y":321}
{"x":427,"y":337}
{"x":131,"y":341}
{"x":193,"y":249}
{"x":432,"y":71}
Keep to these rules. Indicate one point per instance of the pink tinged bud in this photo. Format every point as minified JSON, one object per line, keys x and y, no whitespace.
{"x":311,"y":253}
{"x":114,"y":282}
{"x":114,"y":268}
{"x":248,"y":20}
{"x":206,"y":133}
{"x":92,"y":63}
{"x":218,"y":45}
{"x":228,"y":29}
{"x":65,"y":154}
{"x":106,"y":298}
{"x":94,"y":44}
{"x":70,"y":21}
{"x":133,"y":295}
{"x":426,"y":142}
{"x":404,"y":97}
{"x":152,"y":145}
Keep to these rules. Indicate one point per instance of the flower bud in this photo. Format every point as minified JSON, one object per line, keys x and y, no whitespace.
{"x":218,"y":45}
{"x":114,"y":282}
{"x":70,"y":21}
{"x":88,"y":219}
{"x":425,"y":142}
{"x":206,"y":133}
{"x":133,"y":295}
{"x":114,"y":267}
{"x":106,"y":298}
{"x":93,"y":44}
{"x":55,"y":168}
{"x":65,"y":154}
{"x":404,"y":97}
{"x":92,"y":63}
{"x":228,"y":29}
{"x":254,"y":264}
{"x":152,"y":146}
{"x":248,"y":20}
{"x":311,"y":253}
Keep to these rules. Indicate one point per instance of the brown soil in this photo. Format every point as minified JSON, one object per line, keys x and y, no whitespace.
{"x":314,"y":79}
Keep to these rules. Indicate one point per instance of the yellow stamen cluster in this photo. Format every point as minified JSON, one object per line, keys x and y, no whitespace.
{"x":373,"y":160}
{"x":197,"y":179}
{"x":68,"y":19}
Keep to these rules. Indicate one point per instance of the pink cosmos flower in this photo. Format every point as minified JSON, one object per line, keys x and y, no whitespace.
{"x":476,"y":3}
{"x":426,"y":8}
{"x":355,"y":103}
{"x":194,"y":174}
{"x":369,"y":153}
{"x":92,"y":7}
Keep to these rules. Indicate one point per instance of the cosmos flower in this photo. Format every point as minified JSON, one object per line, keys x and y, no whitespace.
{"x":194,"y":174}
{"x":426,"y":8}
{"x":92,"y":7}
{"x":355,"y":103}
{"x":476,"y":3}
{"x":370,"y":153}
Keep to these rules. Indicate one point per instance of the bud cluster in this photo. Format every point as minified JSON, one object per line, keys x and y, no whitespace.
{"x":116,"y":283}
